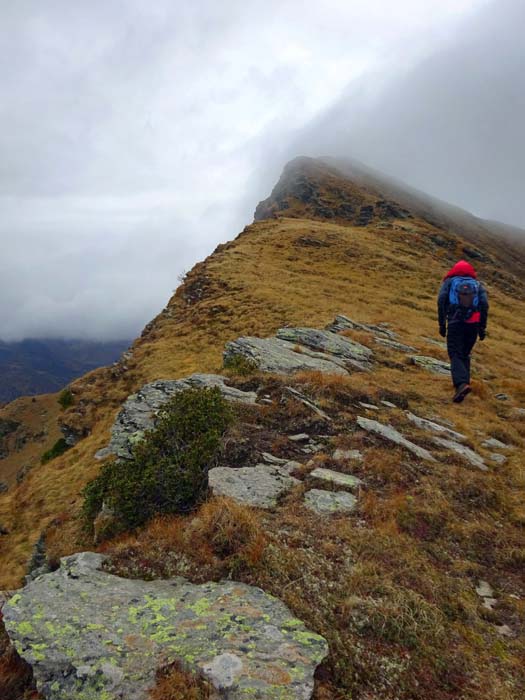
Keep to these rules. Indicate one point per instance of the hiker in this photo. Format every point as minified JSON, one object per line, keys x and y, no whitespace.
{"x":462,"y":313}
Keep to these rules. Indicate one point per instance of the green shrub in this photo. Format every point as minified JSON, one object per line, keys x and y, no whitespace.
{"x":65,"y":398}
{"x":169,"y":469}
{"x":240,"y":365}
{"x":58,"y":449}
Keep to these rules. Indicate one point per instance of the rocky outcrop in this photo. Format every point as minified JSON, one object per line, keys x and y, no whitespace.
{"x":469,"y":455}
{"x":139,"y":411}
{"x":274,"y":355}
{"x":328,"y":342}
{"x":299,"y":349}
{"x":88,"y":634}
{"x":392,"y":435}
{"x":435,"y":427}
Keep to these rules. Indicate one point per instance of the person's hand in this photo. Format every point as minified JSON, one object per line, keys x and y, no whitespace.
{"x":482,"y":334}
{"x":443,"y":331}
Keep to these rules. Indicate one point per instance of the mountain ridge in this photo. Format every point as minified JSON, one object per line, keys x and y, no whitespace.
{"x":423,"y":533}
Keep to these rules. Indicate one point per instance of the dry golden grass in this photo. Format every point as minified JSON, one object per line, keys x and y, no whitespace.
{"x":176,"y":683}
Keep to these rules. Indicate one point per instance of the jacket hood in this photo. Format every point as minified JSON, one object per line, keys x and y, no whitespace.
{"x":461,"y":269}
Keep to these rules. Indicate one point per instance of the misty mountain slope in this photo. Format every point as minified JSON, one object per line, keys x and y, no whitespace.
{"x":39,"y":366}
{"x":423,"y":535}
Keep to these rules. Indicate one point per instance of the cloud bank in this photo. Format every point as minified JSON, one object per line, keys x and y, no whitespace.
{"x":136,"y":136}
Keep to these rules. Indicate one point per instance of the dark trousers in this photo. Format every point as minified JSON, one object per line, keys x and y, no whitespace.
{"x":461,"y":338}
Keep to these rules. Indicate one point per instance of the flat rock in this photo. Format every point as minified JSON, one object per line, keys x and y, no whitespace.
{"x":389,"y":404}
{"x":88,"y":634}
{"x":431,"y":364}
{"x":369,"y":406}
{"x":328,"y":342}
{"x":469,"y":455}
{"x":492,"y":443}
{"x":435,"y":427}
{"x":347,"y":455}
{"x":391,"y":434}
{"x":497,"y":458}
{"x":139,"y":411}
{"x":329,"y":502}
{"x":400,"y":347}
{"x":259,"y":486}
{"x":502,"y":397}
{"x":332,"y":477}
{"x":484,"y":589}
{"x":300,"y":437}
{"x":275,"y":355}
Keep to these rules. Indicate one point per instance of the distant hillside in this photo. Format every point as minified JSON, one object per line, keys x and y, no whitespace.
{"x":42,"y":366}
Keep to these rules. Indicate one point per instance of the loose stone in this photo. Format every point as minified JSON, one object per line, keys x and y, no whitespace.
{"x":329,"y":502}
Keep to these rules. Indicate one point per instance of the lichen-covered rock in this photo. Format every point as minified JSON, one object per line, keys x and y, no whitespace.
{"x":90,"y":635}
{"x":275,"y":355}
{"x":259,"y":486}
{"x":332,"y":477}
{"x":431,"y":364}
{"x":331,"y":343}
{"x":469,"y":455}
{"x":139,"y":410}
{"x":435,"y":427}
{"x":329,"y":502}
{"x":391,"y":434}
{"x":343,"y":323}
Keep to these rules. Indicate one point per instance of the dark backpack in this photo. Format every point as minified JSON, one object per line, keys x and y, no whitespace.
{"x":463,"y":296}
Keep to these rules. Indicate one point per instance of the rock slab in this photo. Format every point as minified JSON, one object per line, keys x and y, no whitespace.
{"x":276,"y":355}
{"x":89,"y":634}
{"x":433,"y":427}
{"x":469,"y":455}
{"x":391,"y":434}
{"x":259,"y":486}
{"x":139,"y":410}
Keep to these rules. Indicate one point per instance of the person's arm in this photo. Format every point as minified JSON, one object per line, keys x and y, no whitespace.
{"x":483,"y":310}
{"x":442,"y":305}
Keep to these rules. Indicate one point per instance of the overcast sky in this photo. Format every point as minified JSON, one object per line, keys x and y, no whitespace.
{"x":136,"y":135}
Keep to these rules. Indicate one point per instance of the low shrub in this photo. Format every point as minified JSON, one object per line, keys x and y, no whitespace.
{"x":169,"y":469}
{"x":58,"y":449}
{"x":65,"y":398}
{"x":240,"y":365}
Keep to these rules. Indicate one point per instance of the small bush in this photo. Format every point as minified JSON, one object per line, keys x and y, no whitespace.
{"x":240,"y":365}
{"x":169,"y":469}
{"x":58,"y":449}
{"x":65,"y":398}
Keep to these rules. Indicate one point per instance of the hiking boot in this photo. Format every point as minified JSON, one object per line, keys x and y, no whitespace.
{"x":461,"y":392}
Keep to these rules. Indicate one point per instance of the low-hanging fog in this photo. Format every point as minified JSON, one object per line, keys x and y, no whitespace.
{"x":137,"y":136}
